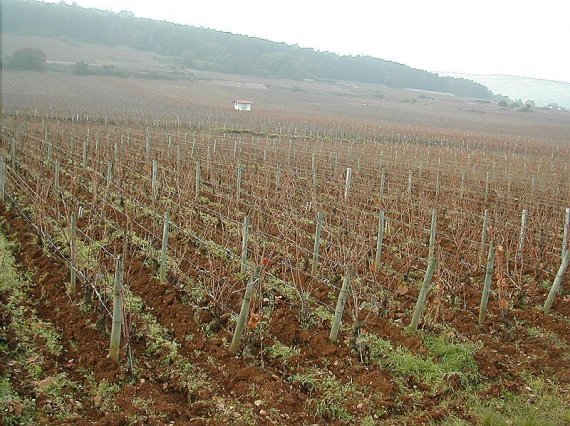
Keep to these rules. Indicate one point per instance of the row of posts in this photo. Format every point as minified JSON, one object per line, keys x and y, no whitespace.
{"x":345,"y":289}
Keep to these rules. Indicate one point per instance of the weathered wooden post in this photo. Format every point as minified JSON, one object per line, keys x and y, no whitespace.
{"x":2,"y":179}
{"x":117,"y":311}
{"x":84,"y":155}
{"x":557,"y":282}
{"x":348,"y":182}
{"x":154,"y":178}
{"x":462,"y":187}
{"x":382,"y":182}
{"x":524,"y":220}
{"x":73,"y":253}
{"x":420,"y":303}
{"x":483,"y":235}
{"x":164,"y":251}
{"x":316,"y":246}
{"x":197,"y":182}
{"x":245,"y":238}
{"x":565,"y":233}
{"x":379,"y":240}
{"x":409,"y":190}
{"x":487,"y":286}
{"x":109,"y":172}
{"x":244,"y":312}
{"x":340,"y":303}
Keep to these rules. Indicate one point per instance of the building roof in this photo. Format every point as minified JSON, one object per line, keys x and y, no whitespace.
{"x":242,"y":102}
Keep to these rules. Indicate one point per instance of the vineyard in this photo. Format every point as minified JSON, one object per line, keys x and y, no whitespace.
{"x":212,"y":269}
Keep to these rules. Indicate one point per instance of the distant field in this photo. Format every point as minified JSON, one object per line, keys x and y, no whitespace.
{"x":61,"y":50}
{"x":211,"y":95}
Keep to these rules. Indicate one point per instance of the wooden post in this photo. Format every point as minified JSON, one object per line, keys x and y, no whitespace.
{"x":483,"y":235}
{"x":239,"y":180}
{"x":462,"y":187}
{"x":557,"y":282}
{"x":117,"y":311}
{"x":409,"y":190}
{"x":316,"y":246}
{"x":2,"y":179}
{"x":524,"y":220}
{"x":565,"y":233}
{"x":487,"y":286}
{"x":379,"y":239}
{"x":84,"y":155}
{"x":73,"y":253}
{"x":420,"y":304}
{"x":340,"y":303}
{"x":154,"y":178}
{"x":109,"y":172}
{"x":383,"y":182}
{"x":437,"y":184}
{"x":197,"y":187}
{"x":348,"y":182}
{"x":244,"y":312}
{"x":245,"y":238}
{"x":164,"y":252}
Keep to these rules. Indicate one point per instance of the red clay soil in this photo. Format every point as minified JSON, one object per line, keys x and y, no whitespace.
{"x":506,"y":351}
{"x":85,"y":349}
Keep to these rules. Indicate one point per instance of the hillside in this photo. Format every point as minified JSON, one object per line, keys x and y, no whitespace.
{"x":211,"y":50}
{"x":543,"y":92}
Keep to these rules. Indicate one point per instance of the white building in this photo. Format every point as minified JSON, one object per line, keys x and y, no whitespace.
{"x":242,"y":105}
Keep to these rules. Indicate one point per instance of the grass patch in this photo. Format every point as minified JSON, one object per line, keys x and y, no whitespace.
{"x":446,"y":359}
{"x":545,"y":404}
{"x":280,"y":351}
{"x":329,"y":397}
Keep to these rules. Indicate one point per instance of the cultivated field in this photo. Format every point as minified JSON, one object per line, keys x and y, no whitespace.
{"x":315,"y":261}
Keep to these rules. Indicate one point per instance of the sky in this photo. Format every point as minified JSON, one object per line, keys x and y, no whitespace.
{"x":517,"y":37}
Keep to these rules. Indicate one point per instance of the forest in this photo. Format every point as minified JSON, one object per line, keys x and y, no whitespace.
{"x":211,"y":50}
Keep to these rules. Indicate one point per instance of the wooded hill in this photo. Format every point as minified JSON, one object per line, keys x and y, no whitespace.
{"x":212,"y":50}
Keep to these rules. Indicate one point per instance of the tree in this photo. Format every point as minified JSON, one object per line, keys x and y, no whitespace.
{"x":27,"y":59}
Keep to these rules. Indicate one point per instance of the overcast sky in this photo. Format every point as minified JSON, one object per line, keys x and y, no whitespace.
{"x":518,"y":37}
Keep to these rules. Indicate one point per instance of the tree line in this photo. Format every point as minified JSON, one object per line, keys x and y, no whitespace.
{"x":212,"y":50}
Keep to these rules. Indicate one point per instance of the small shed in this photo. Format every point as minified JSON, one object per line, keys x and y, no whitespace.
{"x":242,"y":105}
